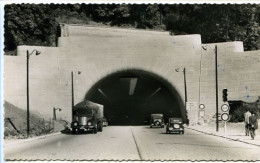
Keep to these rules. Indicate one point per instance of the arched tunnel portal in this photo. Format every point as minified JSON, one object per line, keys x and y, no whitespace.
{"x":131,"y":96}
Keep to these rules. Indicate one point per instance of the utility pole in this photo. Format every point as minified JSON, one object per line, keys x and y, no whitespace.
{"x":216,"y":75}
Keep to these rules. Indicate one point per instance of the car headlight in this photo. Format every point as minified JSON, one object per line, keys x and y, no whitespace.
{"x":75,"y":124}
{"x":89,"y":123}
{"x":170,"y":128}
{"x":176,"y":126}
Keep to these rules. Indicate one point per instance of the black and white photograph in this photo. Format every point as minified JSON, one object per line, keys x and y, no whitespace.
{"x":131,"y":81}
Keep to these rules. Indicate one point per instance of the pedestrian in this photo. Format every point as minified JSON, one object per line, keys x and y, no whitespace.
{"x":253,"y":121}
{"x":247,"y":115}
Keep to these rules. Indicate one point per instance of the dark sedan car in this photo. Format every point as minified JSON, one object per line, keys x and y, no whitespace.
{"x":175,"y":125}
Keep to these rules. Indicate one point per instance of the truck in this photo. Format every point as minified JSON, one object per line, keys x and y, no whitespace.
{"x":157,"y":120}
{"x":88,"y":116}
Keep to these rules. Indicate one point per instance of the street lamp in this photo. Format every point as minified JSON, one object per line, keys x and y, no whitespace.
{"x":72,"y":94}
{"x":184,"y":75}
{"x":27,"y":82}
{"x":54,"y":116}
{"x":216,"y":79}
{"x":54,"y":112}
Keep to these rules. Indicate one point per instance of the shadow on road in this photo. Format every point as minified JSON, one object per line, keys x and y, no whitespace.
{"x":170,"y":133}
{"x":148,"y":127}
{"x":69,"y":132}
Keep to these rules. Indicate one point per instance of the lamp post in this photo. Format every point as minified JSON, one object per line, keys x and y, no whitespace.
{"x":27,"y":86}
{"x":216,"y":79}
{"x":54,"y":112}
{"x":72,"y":95}
{"x":184,"y":76}
{"x":54,"y":116}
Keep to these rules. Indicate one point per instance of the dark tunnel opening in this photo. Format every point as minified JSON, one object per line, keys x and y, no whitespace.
{"x":131,"y":96}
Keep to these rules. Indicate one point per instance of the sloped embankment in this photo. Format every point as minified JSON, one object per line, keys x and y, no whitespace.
{"x":15,"y":123}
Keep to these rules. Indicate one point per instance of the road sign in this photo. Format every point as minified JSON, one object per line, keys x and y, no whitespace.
{"x":202,"y":106}
{"x":202,"y":113}
{"x":191,"y":105}
{"x":225,"y":108}
{"x":225,"y":116}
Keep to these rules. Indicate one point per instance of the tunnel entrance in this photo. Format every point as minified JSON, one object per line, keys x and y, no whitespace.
{"x":130,"y":97}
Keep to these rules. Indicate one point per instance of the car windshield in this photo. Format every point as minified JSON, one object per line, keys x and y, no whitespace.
{"x":156,"y":116}
{"x":174,"y":120}
{"x":85,"y":111}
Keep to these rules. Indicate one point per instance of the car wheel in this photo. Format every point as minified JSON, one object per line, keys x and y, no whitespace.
{"x":151,"y":126}
{"x":100,"y":127}
{"x":162,"y":126}
{"x":74,"y":131}
{"x":94,"y":131}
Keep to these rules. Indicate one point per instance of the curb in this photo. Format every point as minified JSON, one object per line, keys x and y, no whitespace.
{"x":31,"y":139}
{"x":222,"y":136}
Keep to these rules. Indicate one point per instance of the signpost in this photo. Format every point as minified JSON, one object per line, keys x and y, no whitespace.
{"x":225,"y":116}
{"x":225,"y":108}
{"x":201,"y":111}
{"x":192,"y":109}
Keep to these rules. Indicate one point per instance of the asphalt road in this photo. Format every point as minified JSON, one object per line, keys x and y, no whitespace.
{"x":132,"y":143}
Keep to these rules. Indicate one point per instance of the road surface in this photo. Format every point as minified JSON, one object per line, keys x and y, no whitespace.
{"x":132,"y":143}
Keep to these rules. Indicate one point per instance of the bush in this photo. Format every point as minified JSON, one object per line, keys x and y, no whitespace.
{"x":238,"y":114}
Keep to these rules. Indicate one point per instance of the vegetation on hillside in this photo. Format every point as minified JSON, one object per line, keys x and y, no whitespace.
{"x":37,"y":24}
{"x":15,"y":123}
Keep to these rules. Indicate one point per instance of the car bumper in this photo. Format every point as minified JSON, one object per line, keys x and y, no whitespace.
{"x":176,"y":130}
{"x":87,"y":127}
{"x":156,"y":125}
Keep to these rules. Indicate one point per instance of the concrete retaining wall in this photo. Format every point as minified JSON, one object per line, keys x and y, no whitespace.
{"x":98,"y":52}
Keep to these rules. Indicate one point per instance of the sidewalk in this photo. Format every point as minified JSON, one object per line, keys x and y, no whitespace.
{"x":8,"y":142}
{"x":235,"y":131}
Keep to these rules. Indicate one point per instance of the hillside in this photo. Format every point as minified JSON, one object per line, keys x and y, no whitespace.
{"x":15,"y":123}
{"x":38,"y":24}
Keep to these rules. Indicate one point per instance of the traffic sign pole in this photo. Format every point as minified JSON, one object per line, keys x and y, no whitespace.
{"x":225,"y":128}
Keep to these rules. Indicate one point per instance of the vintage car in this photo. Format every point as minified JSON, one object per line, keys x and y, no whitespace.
{"x":175,"y":125}
{"x":157,"y":120}
{"x":105,"y":123}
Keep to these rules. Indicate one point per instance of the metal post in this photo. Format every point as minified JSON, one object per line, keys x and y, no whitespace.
{"x":216,"y":74}
{"x":54,"y":113}
{"x":27,"y":77}
{"x":72,"y":96}
{"x":185,"y":88}
{"x":225,"y":128}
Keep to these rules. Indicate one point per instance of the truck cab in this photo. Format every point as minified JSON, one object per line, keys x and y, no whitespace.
{"x":88,"y":116}
{"x":157,"y":120}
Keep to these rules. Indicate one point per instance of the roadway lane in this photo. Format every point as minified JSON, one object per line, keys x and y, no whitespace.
{"x":134,"y":143}
{"x":113,"y":143}
{"x":154,"y":144}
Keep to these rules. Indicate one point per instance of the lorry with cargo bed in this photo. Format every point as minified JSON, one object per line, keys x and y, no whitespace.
{"x":88,"y":116}
{"x":157,"y":120}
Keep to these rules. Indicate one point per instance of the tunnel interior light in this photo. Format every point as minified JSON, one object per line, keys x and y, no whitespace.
{"x":132,"y":85}
{"x":103,"y":94}
{"x":156,"y":91}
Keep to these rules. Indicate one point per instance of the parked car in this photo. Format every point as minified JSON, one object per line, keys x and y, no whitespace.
{"x":157,"y":120}
{"x":105,"y":123}
{"x":175,"y":125}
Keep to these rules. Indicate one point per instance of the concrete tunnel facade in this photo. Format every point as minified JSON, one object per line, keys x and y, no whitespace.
{"x":99,"y":53}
